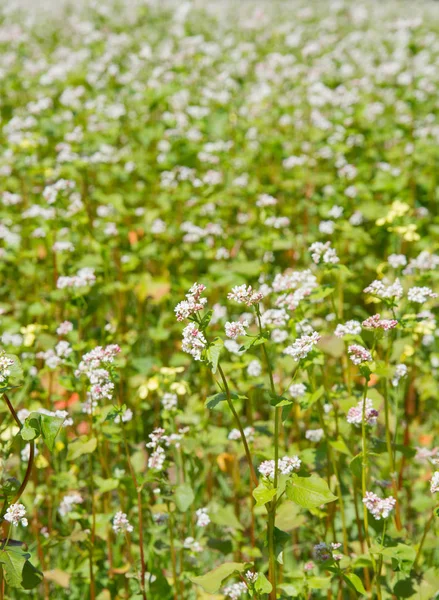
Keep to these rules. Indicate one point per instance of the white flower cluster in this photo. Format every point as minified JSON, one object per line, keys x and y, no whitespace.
{"x":57,"y":356}
{"x":235,"y":590}
{"x":349,"y":328}
{"x":355,"y":413}
{"x":50,"y":192}
{"x":384,"y":290}
{"x":169,"y":401}
{"x":16,"y":514}
{"x":5,"y":366}
{"x":302,"y":346}
{"x":203,"y":518}
{"x":99,"y":378}
{"x":68,"y":502}
{"x":323,"y":252}
{"x":192,"y":545}
{"x":420,"y":294}
{"x":235,"y":434}
{"x":124,"y":417}
{"x":193,"y":303}
{"x":83,"y":278}
{"x":121,"y":523}
{"x":194,"y":341}
{"x":254,"y":368}
{"x":64,"y":328}
{"x":286,"y":466}
{"x":299,"y":284}
{"x":400,"y":372}
{"x":297,"y":390}
{"x":235,"y":329}
{"x":314,"y":435}
{"x":245,"y":294}
{"x":358,"y":354}
{"x":434,"y":484}
{"x":379,"y":508}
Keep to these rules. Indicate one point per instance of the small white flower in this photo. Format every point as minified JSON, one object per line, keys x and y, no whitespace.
{"x":16,"y":514}
{"x":121,"y":523}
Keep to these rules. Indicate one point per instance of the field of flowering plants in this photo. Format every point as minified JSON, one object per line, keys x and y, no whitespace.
{"x":219,"y":244}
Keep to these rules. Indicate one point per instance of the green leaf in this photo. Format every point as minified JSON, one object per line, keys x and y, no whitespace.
{"x":355,"y":582}
{"x":50,"y":428}
{"x":28,"y":432}
{"x":16,"y":377}
{"x":184,"y":497}
{"x":309,"y":492}
{"x":31,"y":576}
{"x":262,"y":585}
{"x":106,"y":485}
{"x":212,"y":581}
{"x":225,"y":516}
{"x":356,"y":465}
{"x":262,"y":494}
{"x":319,"y":583}
{"x":340,"y":446}
{"x":18,"y":570}
{"x":288,"y":516}
{"x":80,"y":446}
{"x":214,"y":400}
{"x":12,"y":560}
{"x":403,"y":555}
{"x":279,"y":400}
{"x":316,"y":395}
{"x":213,"y":353}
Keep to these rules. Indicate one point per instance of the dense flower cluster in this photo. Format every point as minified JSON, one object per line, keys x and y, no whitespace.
{"x":245,"y":294}
{"x":375,"y":322}
{"x":358,"y":354}
{"x":121,"y":523}
{"x":16,"y":514}
{"x":6,"y":363}
{"x":193,"y":303}
{"x":194,"y":341}
{"x":302,"y":346}
{"x":286,"y":466}
{"x":380,"y":508}
{"x":355,"y":413}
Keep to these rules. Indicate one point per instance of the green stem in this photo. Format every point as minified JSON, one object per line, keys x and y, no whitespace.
{"x":139,"y":509}
{"x":238,"y":422}
{"x":421,"y":545}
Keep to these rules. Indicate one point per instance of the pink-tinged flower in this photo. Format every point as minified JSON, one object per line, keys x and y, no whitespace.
{"x":194,"y":341}
{"x":379,"y":508}
{"x":121,"y":523}
{"x":235,"y":329}
{"x":64,"y":328}
{"x":358,"y":354}
{"x":355,"y":413}
{"x":193,"y":303}
{"x":434,"y":484}
{"x":309,"y":566}
{"x":245,"y":295}
{"x":203,"y":518}
{"x":375,"y":322}
{"x":302,"y":346}
{"x":321,"y":552}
